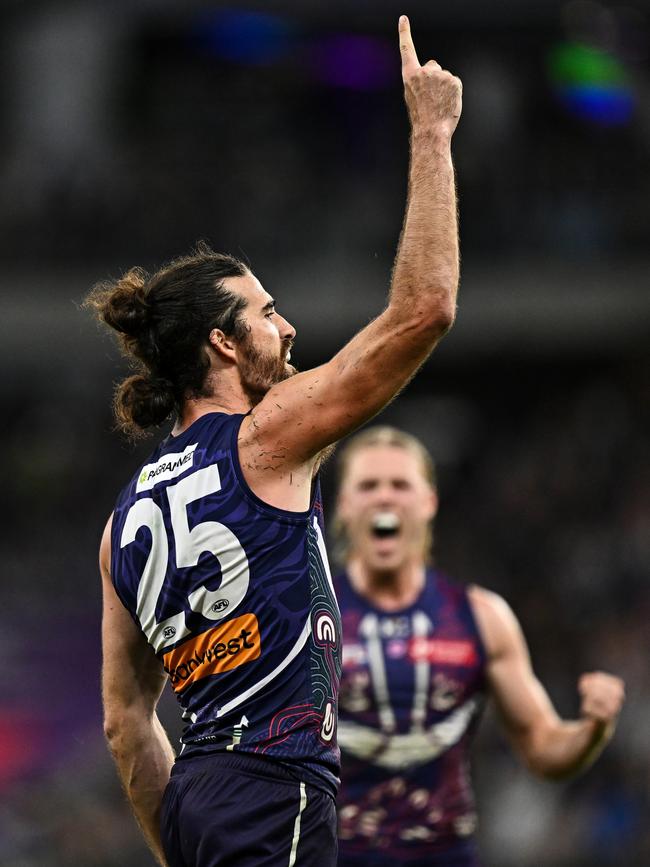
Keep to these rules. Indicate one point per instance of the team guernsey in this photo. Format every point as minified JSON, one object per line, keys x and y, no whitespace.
{"x":412,"y":691}
{"x":236,"y":599}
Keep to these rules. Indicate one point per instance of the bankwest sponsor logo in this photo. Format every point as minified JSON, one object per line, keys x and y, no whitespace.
{"x":168,"y":467}
{"x":443,"y":652}
{"x":220,"y":649}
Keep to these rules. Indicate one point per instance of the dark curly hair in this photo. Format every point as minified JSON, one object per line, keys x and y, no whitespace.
{"x":163,"y":321}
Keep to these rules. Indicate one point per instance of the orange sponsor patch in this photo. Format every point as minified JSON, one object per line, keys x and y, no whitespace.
{"x":220,"y":649}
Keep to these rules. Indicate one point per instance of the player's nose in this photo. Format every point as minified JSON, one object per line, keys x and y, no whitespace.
{"x":385,"y":494}
{"x":287,"y":331}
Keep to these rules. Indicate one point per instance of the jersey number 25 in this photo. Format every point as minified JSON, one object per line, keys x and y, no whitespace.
{"x":208,"y":536}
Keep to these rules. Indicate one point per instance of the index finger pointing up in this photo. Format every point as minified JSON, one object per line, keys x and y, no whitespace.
{"x":410,"y":60}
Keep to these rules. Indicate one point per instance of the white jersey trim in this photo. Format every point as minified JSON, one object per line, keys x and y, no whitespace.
{"x":295,"y":650}
{"x":296,"y":826}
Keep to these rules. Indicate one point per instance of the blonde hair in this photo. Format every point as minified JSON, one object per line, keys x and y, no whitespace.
{"x":378,"y":435}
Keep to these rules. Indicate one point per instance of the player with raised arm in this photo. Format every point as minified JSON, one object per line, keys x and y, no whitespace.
{"x":420,"y":655}
{"x":214,"y":571}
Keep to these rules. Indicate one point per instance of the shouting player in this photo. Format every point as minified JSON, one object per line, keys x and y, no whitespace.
{"x":420,"y":653}
{"x":214,"y":571}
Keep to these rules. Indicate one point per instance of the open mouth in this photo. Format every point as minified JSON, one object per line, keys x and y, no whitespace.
{"x":385,"y":525}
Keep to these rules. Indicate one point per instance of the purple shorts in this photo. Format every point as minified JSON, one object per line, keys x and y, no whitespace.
{"x":229,"y":810}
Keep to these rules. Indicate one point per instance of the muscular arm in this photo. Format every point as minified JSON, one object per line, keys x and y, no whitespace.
{"x":301,"y":416}
{"x":550,"y":746}
{"x":132,"y":682}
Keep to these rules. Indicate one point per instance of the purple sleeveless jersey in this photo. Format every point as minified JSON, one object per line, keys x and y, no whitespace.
{"x":236,"y":599}
{"x":411,"y":694}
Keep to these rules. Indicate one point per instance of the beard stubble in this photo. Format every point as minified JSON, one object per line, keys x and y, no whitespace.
{"x":260,"y":371}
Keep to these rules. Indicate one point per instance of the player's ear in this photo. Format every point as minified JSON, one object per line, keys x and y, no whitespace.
{"x":341,"y":509}
{"x":432,"y":504}
{"x":221,"y":344}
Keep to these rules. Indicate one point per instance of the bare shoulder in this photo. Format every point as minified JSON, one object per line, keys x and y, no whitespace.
{"x":488,"y":603}
{"x":495,"y":619}
{"x":105,"y":549}
{"x":284,"y":427}
{"x":280,"y":441}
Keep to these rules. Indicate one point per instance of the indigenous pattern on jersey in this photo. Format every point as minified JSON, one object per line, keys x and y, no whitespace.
{"x":412,"y":691}
{"x":236,"y":598}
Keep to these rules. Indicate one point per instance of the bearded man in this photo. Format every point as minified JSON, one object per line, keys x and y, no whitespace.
{"x":214,"y":570}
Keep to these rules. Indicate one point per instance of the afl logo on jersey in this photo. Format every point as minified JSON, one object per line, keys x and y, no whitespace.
{"x":220,"y":605}
{"x":169,"y":631}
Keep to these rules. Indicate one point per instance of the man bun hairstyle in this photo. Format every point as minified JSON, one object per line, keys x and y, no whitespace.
{"x":163,"y":321}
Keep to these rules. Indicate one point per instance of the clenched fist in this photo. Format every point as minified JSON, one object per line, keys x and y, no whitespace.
{"x":433,"y":95}
{"x":602,"y":696}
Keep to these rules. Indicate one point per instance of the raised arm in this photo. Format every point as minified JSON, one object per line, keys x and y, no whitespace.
{"x":334,"y":399}
{"x":550,"y":746}
{"x":132,"y":682}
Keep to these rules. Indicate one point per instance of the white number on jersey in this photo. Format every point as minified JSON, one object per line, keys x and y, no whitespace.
{"x":209,"y":536}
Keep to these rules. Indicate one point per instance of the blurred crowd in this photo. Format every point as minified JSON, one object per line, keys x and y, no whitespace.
{"x":124,"y":126}
{"x":281,"y":135}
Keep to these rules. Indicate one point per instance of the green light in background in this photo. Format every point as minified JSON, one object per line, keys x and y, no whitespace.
{"x":591,"y":84}
{"x":575,"y":64}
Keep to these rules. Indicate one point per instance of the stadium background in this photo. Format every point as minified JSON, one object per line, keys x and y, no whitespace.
{"x":277,"y":131}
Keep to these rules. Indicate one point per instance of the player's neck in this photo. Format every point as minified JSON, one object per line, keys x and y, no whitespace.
{"x":227,"y":395}
{"x":390,"y":589}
